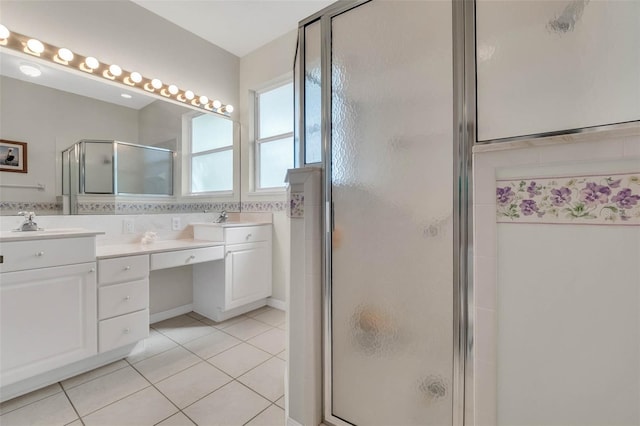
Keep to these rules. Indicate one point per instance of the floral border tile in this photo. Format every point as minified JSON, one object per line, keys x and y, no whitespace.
{"x":296,"y":205}
{"x":596,"y":199}
{"x":264,"y":206}
{"x":10,"y":208}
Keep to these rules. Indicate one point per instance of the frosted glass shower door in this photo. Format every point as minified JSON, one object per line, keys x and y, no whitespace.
{"x":392,"y":194}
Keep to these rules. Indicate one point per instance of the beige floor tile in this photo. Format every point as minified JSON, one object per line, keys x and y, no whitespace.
{"x":212,"y":344}
{"x":283,"y":355}
{"x":224,"y":324}
{"x":177,"y":419}
{"x":144,"y":408}
{"x":280,"y":403}
{"x":104,"y":390}
{"x":21,"y":401}
{"x":188,"y":386}
{"x":274,"y":317}
{"x":233,"y":404}
{"x":187,"y":332}
{"x":153,"y":345}
{"x":259,"y":311}
{"x":167,"y":363}
{"x":239,"y":359}
{"x":247,"y":329}
{"x":272,"y":341}
{"x":93,"y":374}
{"x":267,"y":379}
{"x":172,"y":322}
{"x":272,"y":416}
{"x":75,"y":423}
{"x":51,"y":411}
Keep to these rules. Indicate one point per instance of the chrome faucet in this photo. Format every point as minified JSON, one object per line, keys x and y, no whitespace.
{"x":223,"y":217}
{"x":28,"y":224}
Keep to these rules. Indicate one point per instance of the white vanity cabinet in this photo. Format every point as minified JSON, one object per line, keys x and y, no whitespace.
{"x":47,"y":305}
{"x":123,"y":301}
{"x":242,"y":282}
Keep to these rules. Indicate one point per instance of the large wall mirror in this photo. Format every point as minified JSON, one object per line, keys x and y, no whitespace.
{"x":124,"y":151}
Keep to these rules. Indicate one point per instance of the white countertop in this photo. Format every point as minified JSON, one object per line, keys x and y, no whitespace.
{"x":117,"y":250}
{"x":229,"y":224}
{"x":47,"y":234}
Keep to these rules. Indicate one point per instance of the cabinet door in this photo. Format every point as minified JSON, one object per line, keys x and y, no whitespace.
{"x":47,"y":319}
{"x":247,"y":273}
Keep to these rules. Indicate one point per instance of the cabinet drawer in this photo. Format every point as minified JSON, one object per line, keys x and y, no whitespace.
{"x":23,"y":255}
{"x":119,"y":299}
{"x":122,"y":269}
{"x":185,"y":257}
{"x":123,"y":330}
{"x":247,"y":234}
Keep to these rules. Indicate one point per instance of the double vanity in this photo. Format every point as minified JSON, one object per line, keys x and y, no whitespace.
{"x":68,"y":305}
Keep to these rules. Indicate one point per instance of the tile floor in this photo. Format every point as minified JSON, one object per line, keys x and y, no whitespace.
{"x":191,"y":370}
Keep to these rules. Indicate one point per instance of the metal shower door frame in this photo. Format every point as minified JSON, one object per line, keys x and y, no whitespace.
{"x":463,"y":46}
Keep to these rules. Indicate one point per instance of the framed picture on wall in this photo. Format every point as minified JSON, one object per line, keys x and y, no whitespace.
{"x":13,"y":156}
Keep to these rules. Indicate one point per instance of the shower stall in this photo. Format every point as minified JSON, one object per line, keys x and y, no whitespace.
{"x":376,"y":89}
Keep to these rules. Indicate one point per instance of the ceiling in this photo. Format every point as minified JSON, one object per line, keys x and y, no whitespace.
{"x":238,"y":26}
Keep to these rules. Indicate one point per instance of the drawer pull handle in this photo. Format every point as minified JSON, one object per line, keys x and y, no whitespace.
{"x":248,"y":236}
{"x":126,"y":331}
{"x":193,"y":256}
{"x":40,"y":253}
{"x":126,"y":268}
{"x":92,"y":270}
{"x":127,"y":298}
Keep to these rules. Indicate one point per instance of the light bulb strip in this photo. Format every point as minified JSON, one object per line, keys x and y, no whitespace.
{"x":18,"y":42}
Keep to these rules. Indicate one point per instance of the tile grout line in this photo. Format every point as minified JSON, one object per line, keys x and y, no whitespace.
{"x":128,"y":363}
{"x":72,"y":406}
{"x":252,"y":418}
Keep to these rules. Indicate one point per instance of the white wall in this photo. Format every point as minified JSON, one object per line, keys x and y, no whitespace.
{"x":574,"y":285}
{"x":50,"y":120}
{"x":259,"y":68}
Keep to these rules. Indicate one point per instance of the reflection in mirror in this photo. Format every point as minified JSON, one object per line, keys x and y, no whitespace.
{"x":56,"y":110}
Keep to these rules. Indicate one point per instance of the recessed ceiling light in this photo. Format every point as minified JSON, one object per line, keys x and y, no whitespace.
{"x":126,"y":95}
{"x":30,"y":70}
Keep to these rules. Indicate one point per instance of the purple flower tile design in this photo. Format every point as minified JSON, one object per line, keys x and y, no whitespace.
{"x":296,"y":205}
{"x":593,"y":194}
{"x":505,"y":195}
{"x":601,"y":199}
{"x":625,"y":200}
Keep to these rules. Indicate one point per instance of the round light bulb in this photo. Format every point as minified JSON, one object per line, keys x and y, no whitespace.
{"x":229,"y":108}
{"x":35,"y":46}
{"x":115,"y":70}
{"x":65,"y":54}
{"x":136,"y":77}
{"x":30,"y":70}
{"x":189,"y":94}
{"x":92,"y":62}
{"x":4,"y":32}
{"x":173,"y":89}
{"x":156,"y":83}
{"x":203,"y":100}
{"x":217,"y":104}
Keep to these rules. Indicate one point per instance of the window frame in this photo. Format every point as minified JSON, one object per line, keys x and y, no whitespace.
{"x":190,"y":156}
{"x":259,"y":141}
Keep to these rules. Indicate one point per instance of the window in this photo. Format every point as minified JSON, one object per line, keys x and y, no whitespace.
{"x":274,"y":135}
{"x":211,"y":154}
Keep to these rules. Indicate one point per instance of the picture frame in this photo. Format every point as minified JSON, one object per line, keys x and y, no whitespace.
{"x":13,"y":156}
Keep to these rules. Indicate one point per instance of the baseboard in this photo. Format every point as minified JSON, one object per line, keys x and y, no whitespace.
{"x":61,"y":373}
{"x":276,"y":303}
{"x":161,"y":316}
{"x":291,"y":422}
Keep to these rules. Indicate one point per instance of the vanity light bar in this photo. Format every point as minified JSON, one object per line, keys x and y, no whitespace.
{"x":112,"y":72}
